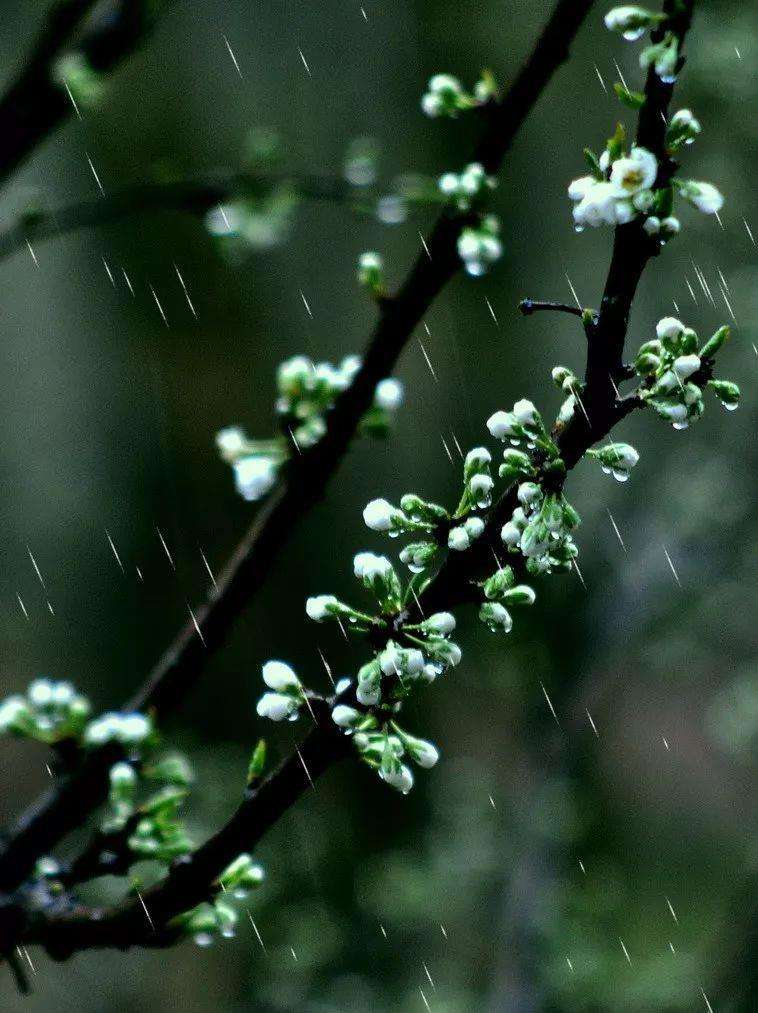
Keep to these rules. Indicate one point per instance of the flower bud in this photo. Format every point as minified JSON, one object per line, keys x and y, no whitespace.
{"x":279,"y":676}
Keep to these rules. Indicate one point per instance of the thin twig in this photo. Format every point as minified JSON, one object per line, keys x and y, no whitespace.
{"x":527,"y":306}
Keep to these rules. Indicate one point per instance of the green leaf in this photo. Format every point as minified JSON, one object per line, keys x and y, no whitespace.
{"x":257,"y":763}
{"x":631,"y":99}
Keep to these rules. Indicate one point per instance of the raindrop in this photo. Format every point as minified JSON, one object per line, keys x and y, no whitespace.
{"x":633,"y":34}
{"x":621,"y":476}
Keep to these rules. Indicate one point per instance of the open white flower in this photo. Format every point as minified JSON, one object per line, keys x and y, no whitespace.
{"x":634,"y":173}
{"x":597,"y":207}
{"x":579,"y":188}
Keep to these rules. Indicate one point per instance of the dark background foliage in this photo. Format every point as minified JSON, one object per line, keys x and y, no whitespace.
{"x":108,"y":418}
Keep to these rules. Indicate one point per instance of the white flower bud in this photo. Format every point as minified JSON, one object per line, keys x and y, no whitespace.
{"x":122,"y":775}
{"x":442,"y":623}
{"x":378,"y":515}
{"x":686,"y":365}
{"x":525,"y":413}
{"x":317,"y":607}
{"x":276,"y":706}
{"x":481,"y":487}
{"x":529,"y":493}
{"x":424,"y":753}
{"x":510,"y":535}
{"x":401,"y":779}
{"x":346,"y":717}
{"x":669,"y":327}
{"x":279,"y":676}
{"x":40,"y":692}
{"x":474,"y":526}
{"x":501,"y":425}
{"x":652,"y":225}
{"x":671,"y":226}
{"x":230,"y":443}
{"x":458,"y":539}
{"x":704,"y":196}
{"x":389,"y":394}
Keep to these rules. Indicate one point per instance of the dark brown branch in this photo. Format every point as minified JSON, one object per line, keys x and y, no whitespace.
{"x":452,"y":584}
{"x":35,"y":104}
{"x":194,"y":197}
{"x":69,"y":802}
{"x":193,"y":880}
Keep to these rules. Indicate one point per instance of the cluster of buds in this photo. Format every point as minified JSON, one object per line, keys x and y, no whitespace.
{"x":132,"y":730}
{"x":540,"y":529}
{"x":384,"y":748}
{"x":501,"y":591}
{"x":49,"y":712}
{"x":632,"y":22}
{"x":621,"y":184}
{"x":468,"y":188}
{"x":676,"y":371}
{"x":616,"y":459}
{"x":415,"y":516}
{"x":219,"y":917}
{"x":255,"y":223}
{"x":286,"y":696}
{"x":156,"y":831}
{"x":306,"y":393}
{"x":479,"y":246}
{"x":446,"y":96}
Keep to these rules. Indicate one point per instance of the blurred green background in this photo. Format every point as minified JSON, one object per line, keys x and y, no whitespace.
{"x":519,"y":868}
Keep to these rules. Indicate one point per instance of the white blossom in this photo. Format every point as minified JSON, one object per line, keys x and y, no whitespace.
{"x":634,"y":173}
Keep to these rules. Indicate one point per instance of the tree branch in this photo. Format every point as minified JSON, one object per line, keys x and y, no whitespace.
{"x":35,"y":104}
{"x":452,"y":585}
{"x":68,"y":803}
{"x":193,"y":197}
